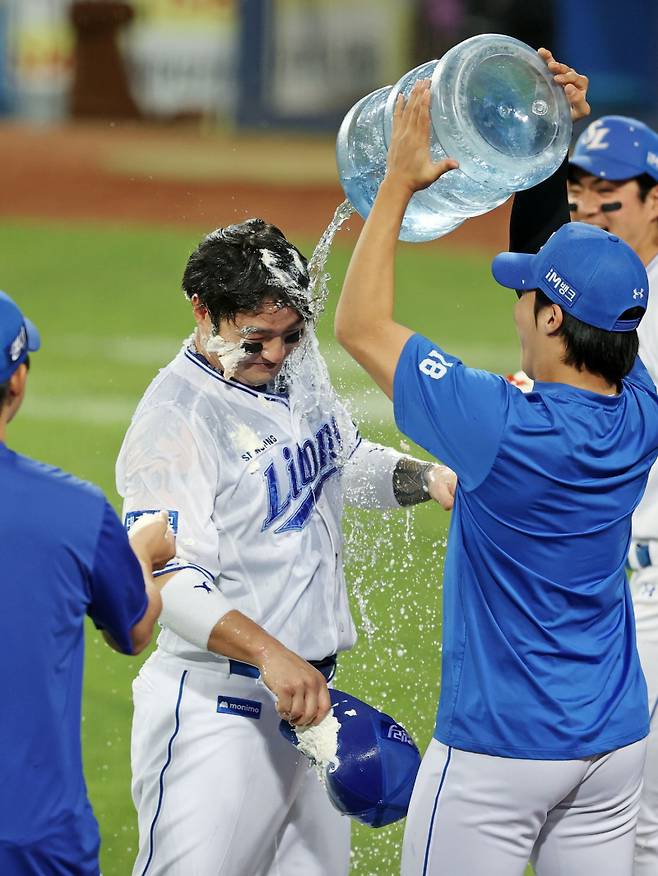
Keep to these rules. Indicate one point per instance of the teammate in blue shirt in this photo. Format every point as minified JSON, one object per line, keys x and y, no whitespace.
{"x":539,"y":741}
{"x":65,"y":554}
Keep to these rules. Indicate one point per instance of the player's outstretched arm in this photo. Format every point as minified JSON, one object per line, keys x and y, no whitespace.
{"x":153,"y":543}
{"x":364,"y":322}
{"x":442,"y":484}
{"x":376,"y":476}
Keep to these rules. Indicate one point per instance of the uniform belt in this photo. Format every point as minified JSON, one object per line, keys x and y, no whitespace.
{"x":327,"y":666}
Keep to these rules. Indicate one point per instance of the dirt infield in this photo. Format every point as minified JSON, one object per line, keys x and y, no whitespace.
{"x":184,"y":176}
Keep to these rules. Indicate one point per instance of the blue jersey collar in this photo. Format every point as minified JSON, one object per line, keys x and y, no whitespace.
{"x":575,"y":393}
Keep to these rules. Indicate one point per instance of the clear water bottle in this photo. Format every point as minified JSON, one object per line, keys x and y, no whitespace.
{"x":494,"y":107}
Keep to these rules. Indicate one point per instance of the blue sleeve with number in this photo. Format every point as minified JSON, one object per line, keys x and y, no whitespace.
{"x":456,"y":413}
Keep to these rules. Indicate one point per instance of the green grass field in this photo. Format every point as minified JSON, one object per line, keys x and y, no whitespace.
{"x":109,"y":307}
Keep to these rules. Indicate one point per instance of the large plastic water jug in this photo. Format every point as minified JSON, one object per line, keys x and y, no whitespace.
{"x":494,"y":107}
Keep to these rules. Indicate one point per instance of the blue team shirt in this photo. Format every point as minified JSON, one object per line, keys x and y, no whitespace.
{"x":539,"y":657}
{"x":64,"y":555}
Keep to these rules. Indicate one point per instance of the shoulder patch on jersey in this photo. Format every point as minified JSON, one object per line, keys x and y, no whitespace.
{"x":236,"y":706}
{"x":133,"y":516}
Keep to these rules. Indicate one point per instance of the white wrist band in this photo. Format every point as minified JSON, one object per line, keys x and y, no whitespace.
{"x":191,"y":606}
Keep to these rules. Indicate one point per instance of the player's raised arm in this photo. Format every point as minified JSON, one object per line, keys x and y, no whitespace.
{"x":364,"y":323}
{"x":539,"y":211}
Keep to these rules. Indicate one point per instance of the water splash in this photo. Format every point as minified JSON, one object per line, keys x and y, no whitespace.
{"x":319,"y":280}
{"x":392,"y":566}
{"x":305,"y":374}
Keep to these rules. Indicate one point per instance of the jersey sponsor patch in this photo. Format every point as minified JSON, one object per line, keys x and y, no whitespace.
{"x":132,"y":516}
{"x":396,"y":733}
{"x":236,"y":706}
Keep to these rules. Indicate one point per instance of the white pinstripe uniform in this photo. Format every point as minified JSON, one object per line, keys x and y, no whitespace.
{"x":254,"y":483}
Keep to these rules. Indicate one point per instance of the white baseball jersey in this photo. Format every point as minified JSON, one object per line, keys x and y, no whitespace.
{"x":253,"y":483}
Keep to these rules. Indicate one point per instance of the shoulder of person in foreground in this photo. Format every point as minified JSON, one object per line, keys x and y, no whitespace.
{"x":83,"y":523}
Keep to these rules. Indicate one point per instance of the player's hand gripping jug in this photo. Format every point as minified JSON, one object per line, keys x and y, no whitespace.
{"x":494,"y":107}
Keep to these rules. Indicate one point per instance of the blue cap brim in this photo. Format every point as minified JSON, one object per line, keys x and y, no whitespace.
{"x":608,"y":168}
{"x":514,"y":270}
{"x":33,"y":336}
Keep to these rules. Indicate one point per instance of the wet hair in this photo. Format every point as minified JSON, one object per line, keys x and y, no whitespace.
{"x":588,"y":348}
{"x":241,"y":267}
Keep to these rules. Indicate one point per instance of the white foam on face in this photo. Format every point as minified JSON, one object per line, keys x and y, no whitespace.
{"x":229,"y":353}
{"x":320,"y":744}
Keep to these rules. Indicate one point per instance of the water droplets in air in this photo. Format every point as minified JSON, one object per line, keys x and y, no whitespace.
{"x":393,"y":561}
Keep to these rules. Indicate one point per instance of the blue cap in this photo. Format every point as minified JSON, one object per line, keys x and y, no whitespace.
{"x":18,"y":337}
{"x":617,"y":147}
{"x":376,"y":762}
{"x":591,"y":274}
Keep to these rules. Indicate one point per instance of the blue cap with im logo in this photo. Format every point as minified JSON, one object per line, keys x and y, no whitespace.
{"x":18,"y":337}
{"x":591,"y":274}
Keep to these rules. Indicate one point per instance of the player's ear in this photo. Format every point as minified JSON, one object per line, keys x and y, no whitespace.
{"x":549,"y":319}
{"x":652,"y":202}
{"x":199,"y":309}
{"x":16,"y":391}
{"x":18,"y":379}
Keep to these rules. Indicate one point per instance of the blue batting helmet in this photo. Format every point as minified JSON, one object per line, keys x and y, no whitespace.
{"x":376,"y":763}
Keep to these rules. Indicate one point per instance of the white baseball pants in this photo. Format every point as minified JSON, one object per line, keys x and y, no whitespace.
{"x":645,"y":584}
{"x":477,"y":815}
{"x":224,"y":794}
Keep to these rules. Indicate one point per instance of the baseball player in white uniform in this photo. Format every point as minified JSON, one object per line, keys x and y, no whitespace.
{"x":246,"y":445}
{"x":613,"y":183}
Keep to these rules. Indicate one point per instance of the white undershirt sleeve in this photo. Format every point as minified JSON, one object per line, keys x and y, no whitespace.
{"x":368,"y":476}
